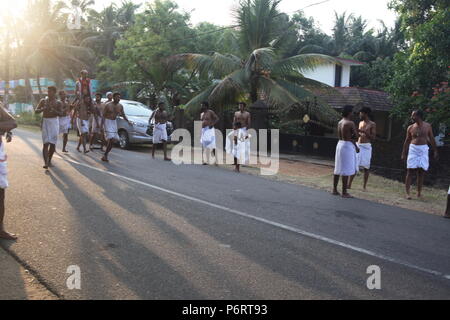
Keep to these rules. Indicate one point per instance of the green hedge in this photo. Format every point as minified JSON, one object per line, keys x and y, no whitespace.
{"x":29,"y":118}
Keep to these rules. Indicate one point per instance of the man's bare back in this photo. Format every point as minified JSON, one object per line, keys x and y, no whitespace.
{"x":83,"y":110}
{"x":346,"y":130}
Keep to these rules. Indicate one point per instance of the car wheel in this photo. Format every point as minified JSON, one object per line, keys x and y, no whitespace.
{"x":124,"y":141}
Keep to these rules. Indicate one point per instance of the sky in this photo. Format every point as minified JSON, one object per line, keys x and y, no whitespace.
{"x":220,"y":11}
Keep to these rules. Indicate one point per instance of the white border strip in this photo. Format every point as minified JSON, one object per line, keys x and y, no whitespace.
{"x":269,"y":222}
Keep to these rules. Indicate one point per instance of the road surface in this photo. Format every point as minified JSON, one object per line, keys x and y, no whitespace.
{"x":147,"y":229}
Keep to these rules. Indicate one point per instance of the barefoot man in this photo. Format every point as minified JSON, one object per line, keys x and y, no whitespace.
{"x":97,"y":129}
{"x":7,"y":123}
{"x":367,"y":132}
{"x":415,"y":151}
{"x":244,"y":118}
{"x":51,"y":109}
{"x":208,"y":138}
{"x":160,"y":130}
{"x":82,"y":112}
{"x":65,"y":120}
{"x":112,"y":110}
{"x":346,"y":150}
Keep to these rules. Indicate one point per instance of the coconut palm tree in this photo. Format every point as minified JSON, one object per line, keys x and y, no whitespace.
{"x":259,"y":70}
{"x":108,"y":25}
{"x":45,"y":46}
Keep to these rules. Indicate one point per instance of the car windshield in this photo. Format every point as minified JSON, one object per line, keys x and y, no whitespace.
{"x":136,"y":110}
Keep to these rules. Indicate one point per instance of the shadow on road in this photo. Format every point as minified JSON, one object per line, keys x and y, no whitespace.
{"x":113,"y":255}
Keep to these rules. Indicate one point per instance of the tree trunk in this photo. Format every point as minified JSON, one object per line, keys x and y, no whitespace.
{"x":38,"y":81}
{"x":28,"y":87}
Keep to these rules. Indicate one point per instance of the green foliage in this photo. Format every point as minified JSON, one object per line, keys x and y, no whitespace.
{"x":424,"y":65}
{"x":29,"y":118}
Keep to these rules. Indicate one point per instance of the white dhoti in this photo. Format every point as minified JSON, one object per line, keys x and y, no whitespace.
{"x":246,"y":145}
{"x":345,"y":160}
{"x":97,"y":128}
{"x":111,"y":130}
{"x":50,"y":130}
{"x":3,"y":167}
{"x":208,"y":138}
{"x":83,"y":126}
{"x":160,"y":133}
{"x":64,"y":124}
{"x":418,"y":157}
{"x":364,"y":156}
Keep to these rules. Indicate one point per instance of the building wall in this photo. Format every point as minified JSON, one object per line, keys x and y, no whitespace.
{"x":325,"y":73}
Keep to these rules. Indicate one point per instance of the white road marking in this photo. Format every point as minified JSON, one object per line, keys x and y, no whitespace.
{"x":270,"y":222}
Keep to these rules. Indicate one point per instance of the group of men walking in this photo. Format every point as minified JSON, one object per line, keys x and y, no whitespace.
{"x":97,"y":120}
{"x":354,"y":150}
{"x":94,"y":120}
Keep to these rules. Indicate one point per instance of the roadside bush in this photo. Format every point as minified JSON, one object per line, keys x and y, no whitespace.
{"x":29,"y":118}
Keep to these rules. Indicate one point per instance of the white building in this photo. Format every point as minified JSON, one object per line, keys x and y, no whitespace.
{"x":333,"y":74}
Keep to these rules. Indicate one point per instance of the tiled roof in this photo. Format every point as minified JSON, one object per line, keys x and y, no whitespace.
{"x":358,"y":97}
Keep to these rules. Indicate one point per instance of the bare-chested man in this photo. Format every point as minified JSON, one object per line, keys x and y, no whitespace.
{"x":7,"y":123}
{"x":82,"y":113}
{"x":367,"y":132}
{"x":160,"y":129}
{"x":244,"y":118}
{"x":97,"y":129}
{"x":51,"y":109}
{"x":65,"y":120}
{"x":346,"y":150}
{"x":415,"y":151}
{"x":112,"y":110}
{"x":208,"y":138}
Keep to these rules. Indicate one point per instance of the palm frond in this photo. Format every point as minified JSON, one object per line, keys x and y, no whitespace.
{"x":228,"y":89}
{"x":260,"y":59}
{"x":214,"y":64}
{"x":302,"y":63}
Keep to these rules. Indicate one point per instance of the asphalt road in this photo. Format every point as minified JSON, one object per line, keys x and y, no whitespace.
{"x":147,"y":229}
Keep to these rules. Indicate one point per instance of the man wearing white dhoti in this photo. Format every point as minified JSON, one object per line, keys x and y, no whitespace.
{"x":235,"y":145}
{"x":65,"y":120}
{"x":82,"y":112}
{"x":244,"y":118}
{"x":415,"y":151}
{"x":160,"y":130}
{"x":51,"y":109}
{"x":7,"y":123}
{"x":97,"y":132}
{"x":367,"y":133}
{"x":208,"y":137}
{"x":346,"y":150}
{"x":111,"y":112}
